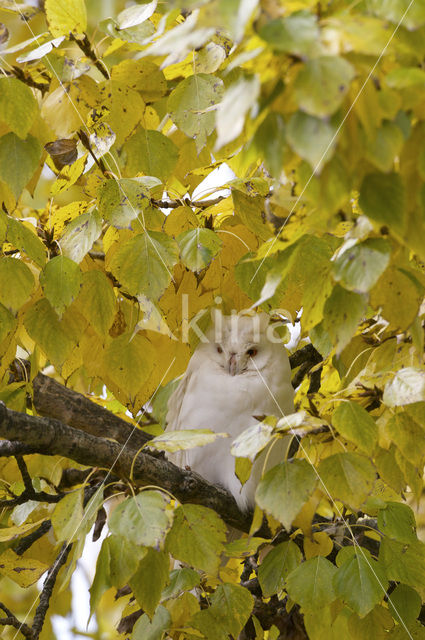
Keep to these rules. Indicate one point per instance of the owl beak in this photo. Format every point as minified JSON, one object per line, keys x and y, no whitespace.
{"x":233,"y":364}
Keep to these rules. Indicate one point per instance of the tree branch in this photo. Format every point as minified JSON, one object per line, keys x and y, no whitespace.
{"x":85,"y":46}
{"x":51,"y":437}
{"x":27,"y":541}
{"x":186,"y":202}
{"x":54,"y":400}
{"x":29,"y":492}
{"x":47,"y":590}
{"x":13,"y":621}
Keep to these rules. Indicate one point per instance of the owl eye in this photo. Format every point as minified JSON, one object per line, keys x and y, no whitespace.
{"x":252,"y":352}
{"x":219,"y":349}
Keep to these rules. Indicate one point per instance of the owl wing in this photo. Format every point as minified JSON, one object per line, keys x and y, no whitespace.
{"x":175,"y":402}
{"x":173,"y":420}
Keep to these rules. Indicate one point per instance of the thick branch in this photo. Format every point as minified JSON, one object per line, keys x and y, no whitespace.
{"x":54,"y":400}
{"x":51,"y":437}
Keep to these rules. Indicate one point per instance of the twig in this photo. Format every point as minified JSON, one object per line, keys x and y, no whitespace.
{"x":85,"y":46}
{"x":29,"y":492}
{"x":197,"y":204}
{"x":47,"y":590}
{"x":13,"y":621}
{"x":27,"y":541}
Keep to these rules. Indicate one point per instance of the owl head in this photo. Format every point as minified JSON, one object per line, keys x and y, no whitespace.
{"x":238,"y":343}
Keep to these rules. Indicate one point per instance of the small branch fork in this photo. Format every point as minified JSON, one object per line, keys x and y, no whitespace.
{"x":29,"y":492}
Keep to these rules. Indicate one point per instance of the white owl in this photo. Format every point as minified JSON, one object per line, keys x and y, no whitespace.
{"x":238,"y":374}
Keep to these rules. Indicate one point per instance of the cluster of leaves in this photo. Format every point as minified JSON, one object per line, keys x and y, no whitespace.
{"x":108,"y":251}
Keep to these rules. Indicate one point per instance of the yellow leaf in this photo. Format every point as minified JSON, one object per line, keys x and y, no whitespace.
{"x":61,"y":216}
{"x":23,"y":571}
{"x":129,"y":362}
{"x":69,"y":175}
{"x":9,"y":533}
{"x":65,"y":16}
{"x":319,"y":545}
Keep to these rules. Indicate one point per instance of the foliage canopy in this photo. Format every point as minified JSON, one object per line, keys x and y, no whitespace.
{"x":111,"y":248}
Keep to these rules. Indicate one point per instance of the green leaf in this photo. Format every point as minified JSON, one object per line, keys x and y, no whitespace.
{"x":124,"y":557}
{"x":144,"y":520}
{"x":3,"y":226}
{"x":190,"y":105}
{"x":61,"y":281}
{"x":348,"y":477}
{"x":129,"y":362}
{"x":150,"y":579}
{"x":152,"y":153}
{"x":408,"y":436}
{"x":154,"y":629}
{"x":80,"y":235}
{"x":231,"y":606}
{"x":25,"y":240}
{"x":397,"y":521}
{"x":97,"y":301}
{"x":243,"y":547}
{"x":143,"y":75}
{"x":18,"y":161}
{"x":404,"y":562}
{"x":142,"y":265}
{"x":16,"y":283}
{"x":385,"y":146}
{"x":198,"y":247}
{"x":121,"y":201}
{"x":101,"y":581}
{"x":321,"y":340}
{"x":115,"y":565}
{"x":7,"y":319}
{"x":285,"y":488}
{"x":412,"y":14}
{"x":250,"y":209}
{"x":197,"y":537}
{"x":297,"y":33}
{"x":311,"y":584}
{"x":404,"y":77}
{"x":311,"y":138}
{"x":67,"y":517}
{"x":65,"y":16}
{"x":361,"y":582}
{"x":382,"y":198}
{"x":45,"y":329}
{"x":277,"y":565}
{"x":252,"y":440}
{"x":407,"y":387}
{"x":398,"y":296}
{"x":172,"y":441}
{"x":377,"y":622}
{"x":322,"y":83}
{"x":270,"y":143}
{"x":18,"y":106}
{"x":359,"y":267}
{"x":181,"y":580}
{"x":354,"y":423}
{"x":343,"y":311}
{"x":405,"y":604}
